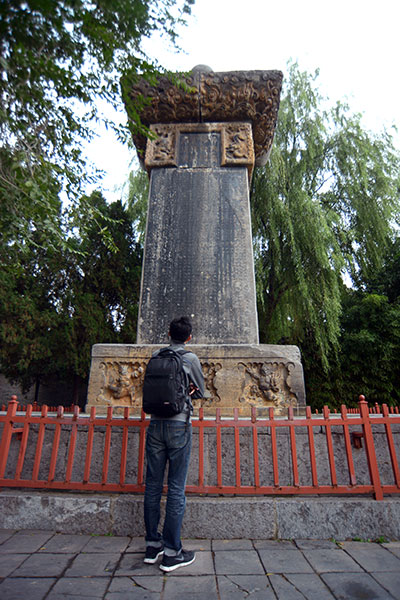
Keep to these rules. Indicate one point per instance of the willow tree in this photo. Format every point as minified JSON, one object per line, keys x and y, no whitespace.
{"x":322,"y":209}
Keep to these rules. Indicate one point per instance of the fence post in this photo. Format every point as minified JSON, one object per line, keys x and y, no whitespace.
{"x":7,"y":433}
{"x":370,"y":449}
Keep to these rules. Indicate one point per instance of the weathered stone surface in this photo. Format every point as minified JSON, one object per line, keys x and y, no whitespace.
{"x":284,"y":560}
{"x":70,"y":513}
{"x":238,"y":587}
{"x":355,"y":585}
{"x":236,"y":376}
{"x":338,"y":518}
{"x":205,"y":517}
{"x":186,"y":587}
{"x":227,"y":518}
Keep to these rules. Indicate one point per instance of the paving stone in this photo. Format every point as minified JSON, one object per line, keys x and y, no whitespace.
{"x":203,"y":565}
{"x":142,"y":582}
{"x":103,"y":543}
{"x":328,"y":561}
{"x":44,"y":565}
{"x":197,"y":545}
{"x":137,"y":544}
{"x":370,"y":555}
{"x":84,"y":587}
{"x":279,"y":544}
{"x":29,"y":588}
{"x":135,"y":594}
{"x":25,"y":542}
{"x":389,"y":581}
{"x":66,"y":543}
{"x":346,"y":586}
{"x":94,"y":565}
{"x":278,"y":560}
{"x":5,"y":534}
{"x":283,"y":589}
{"x":238,"y":587}
{"x":393,"y":547}
{"x":195,"y":588}
{"x":314,"y":544}
{"x":4,"y":531}
{"x":232,"y":545}
{"x":238,"y":562}
{"x":132,"y":564}
{"x":310,"y":585}
{"x":10,"y":562}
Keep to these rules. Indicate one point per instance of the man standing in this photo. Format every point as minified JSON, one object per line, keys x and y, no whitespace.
{"x":170,"y":440}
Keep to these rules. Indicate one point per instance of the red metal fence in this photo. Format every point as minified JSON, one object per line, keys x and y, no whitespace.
{"x":256,"y":445}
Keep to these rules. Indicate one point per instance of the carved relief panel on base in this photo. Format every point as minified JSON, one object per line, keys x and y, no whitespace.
{"x":231,"y":382}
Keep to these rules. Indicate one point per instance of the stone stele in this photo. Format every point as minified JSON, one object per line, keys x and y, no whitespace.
{"x":208,"y":130}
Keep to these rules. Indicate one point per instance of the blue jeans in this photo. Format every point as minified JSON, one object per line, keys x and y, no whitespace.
{"x":166,"y":441}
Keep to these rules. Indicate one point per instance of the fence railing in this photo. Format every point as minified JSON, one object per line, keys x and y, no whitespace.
{"x":37,"y":407}
{"x":328,"y":453}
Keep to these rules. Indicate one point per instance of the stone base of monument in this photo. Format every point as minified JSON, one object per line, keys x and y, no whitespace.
{"x":236,"y":376}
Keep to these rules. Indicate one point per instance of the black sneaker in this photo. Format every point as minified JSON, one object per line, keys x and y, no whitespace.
{"x":152,"y":554}
{"x":170,"y":563}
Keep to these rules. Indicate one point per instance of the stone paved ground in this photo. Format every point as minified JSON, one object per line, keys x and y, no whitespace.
{"x":38,"y":565}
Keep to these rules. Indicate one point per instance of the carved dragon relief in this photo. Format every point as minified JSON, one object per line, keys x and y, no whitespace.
{"x":122,"y":383}
{"x":267,"y":384}
{"x":210,"y":370}
{"x":162,"y":150}
{"x":237,"y":146}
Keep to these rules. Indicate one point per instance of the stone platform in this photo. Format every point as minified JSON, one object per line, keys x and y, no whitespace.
{"x":236,"y":376}
{"x":267,"y":517}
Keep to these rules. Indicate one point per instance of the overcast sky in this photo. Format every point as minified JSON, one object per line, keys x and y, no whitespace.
{"x":354,"y":44}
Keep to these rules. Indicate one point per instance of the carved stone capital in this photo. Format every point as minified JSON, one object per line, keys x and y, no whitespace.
{"x":236,"y":143}
{"x":207,"y":97}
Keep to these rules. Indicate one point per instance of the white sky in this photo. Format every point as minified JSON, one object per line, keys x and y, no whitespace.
{"x":354,"y":43}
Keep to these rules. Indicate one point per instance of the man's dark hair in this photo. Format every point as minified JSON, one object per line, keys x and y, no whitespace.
{"x":180,"y":329}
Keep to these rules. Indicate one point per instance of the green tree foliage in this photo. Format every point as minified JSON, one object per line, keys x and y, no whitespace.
{"x":59,"y":59}
{"x":137,"y":200}
{"x":369,"y":344}
{"x":55,"y":305}
{"x":323,"y":206}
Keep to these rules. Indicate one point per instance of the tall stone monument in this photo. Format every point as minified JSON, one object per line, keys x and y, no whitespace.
{"x":208,"y":130}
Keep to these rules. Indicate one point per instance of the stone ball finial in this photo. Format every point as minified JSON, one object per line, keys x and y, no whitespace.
{"x":202,"y":69}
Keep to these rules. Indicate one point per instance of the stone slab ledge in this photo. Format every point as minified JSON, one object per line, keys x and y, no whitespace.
{"x":265,"y":517}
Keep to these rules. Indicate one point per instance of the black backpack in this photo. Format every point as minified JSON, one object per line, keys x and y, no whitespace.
{"x":166,"y":385}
